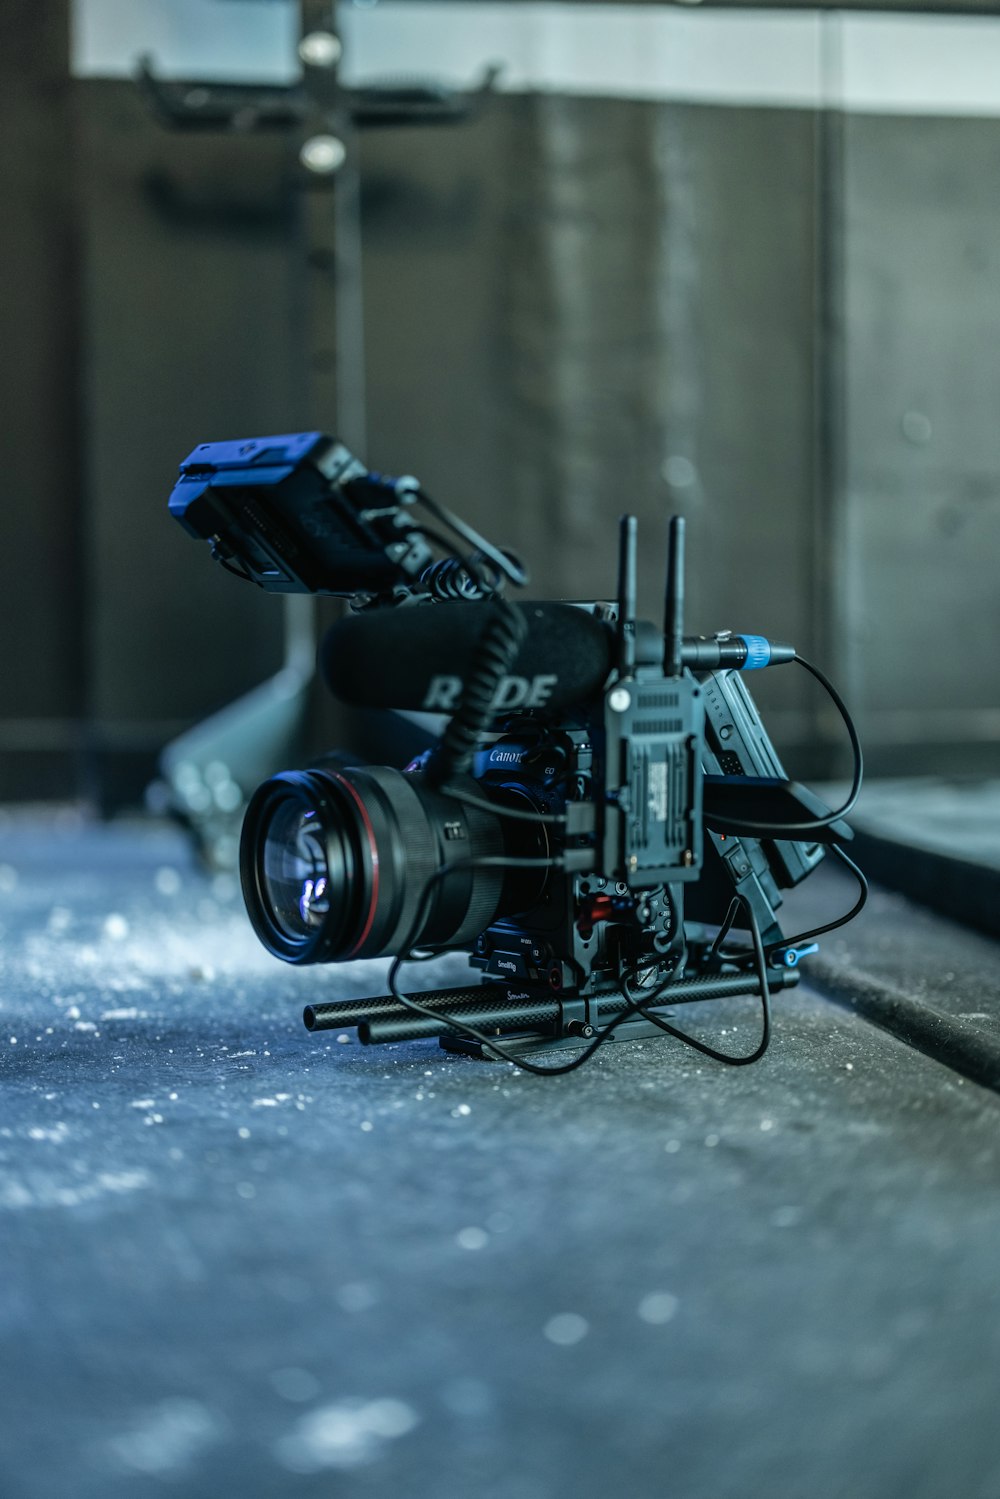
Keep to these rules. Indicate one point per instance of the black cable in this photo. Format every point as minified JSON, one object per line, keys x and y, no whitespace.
{"x":725,"y":928}
{"x":468,"y":1031}
{"x":510,"y":566}
{"x":450,"y":579}
{"x":474,"y":563}
{"x":485,"y":577}
{"x":459,"y":1026}
{"x":503,"y":637}
{"x":831,"y":926}
{"x":499,"y":809}
{"x":816,"y":931}
{"x":813,"y":824}
{"x":634,"y":1006}
{"x":765,"y":1000}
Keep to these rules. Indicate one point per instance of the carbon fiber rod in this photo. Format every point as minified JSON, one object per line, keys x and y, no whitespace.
{"x":689,"y":991}
{"x":488,"y":1017}
{"x":348,"y":1012}
{"x":485,"y":1015}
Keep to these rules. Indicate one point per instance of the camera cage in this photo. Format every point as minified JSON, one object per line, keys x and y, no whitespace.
{"x":668,"y":787}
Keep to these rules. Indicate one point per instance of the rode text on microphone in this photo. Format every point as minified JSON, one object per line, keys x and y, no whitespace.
{"x":603,"y":815}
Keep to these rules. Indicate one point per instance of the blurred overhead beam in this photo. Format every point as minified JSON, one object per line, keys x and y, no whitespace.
{"x":940,"y":58}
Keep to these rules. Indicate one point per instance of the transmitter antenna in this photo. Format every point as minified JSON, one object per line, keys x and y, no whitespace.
{"x":627,"y":529}
{"x":673,"y":604}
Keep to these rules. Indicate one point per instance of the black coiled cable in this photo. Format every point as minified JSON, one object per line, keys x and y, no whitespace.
{"x":450,"y":579}
{"x":472,"y":577}
{"x":502,"y":638}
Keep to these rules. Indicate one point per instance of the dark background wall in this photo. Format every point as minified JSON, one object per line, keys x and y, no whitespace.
{"x":780,"y":323}
{"x":920,"y":502}
{"x":188,"y":303}
{"x":578,"y":307}
{"x":42,"y":521}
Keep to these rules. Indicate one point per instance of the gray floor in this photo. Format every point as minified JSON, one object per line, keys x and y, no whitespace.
{"x":242,"y":1260}
{"x":953,"y":818}
{"x":938,"y":841}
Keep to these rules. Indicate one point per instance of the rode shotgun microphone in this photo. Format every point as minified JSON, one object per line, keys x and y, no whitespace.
{"x":418,"y":657}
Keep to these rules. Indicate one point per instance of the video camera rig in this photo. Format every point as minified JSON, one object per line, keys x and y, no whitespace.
{"x":603,"y":807}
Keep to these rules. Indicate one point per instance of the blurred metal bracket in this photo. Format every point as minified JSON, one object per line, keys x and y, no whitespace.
{"x":208,"y":773}
{"x":246,"y":107}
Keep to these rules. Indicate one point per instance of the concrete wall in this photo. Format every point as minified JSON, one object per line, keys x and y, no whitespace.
{"x":43,"y":696}
{"x":920,"y":502}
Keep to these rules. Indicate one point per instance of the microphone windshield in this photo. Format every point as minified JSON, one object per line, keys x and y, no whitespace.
{"x":419,"y":657}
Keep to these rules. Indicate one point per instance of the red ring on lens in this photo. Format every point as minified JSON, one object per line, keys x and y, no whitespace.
{"x":373,"y":849}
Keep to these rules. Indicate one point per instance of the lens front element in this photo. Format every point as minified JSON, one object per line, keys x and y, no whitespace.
{"x":295,"y":875}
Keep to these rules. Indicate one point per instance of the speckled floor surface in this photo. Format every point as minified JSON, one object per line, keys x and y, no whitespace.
{"x":956,"y":818}
{"x":241,"y":1260}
